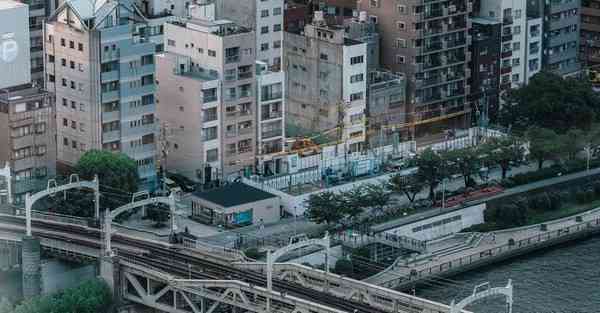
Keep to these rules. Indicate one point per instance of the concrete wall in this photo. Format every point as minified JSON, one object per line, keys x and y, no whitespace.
{"x":442,"y":225}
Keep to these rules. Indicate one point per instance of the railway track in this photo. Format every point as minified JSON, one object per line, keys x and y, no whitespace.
{"x":172,"y":260}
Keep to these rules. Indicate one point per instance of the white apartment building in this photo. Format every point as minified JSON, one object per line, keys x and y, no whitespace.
{"x":207,"y":95}
{"x":535,"y":31}
{"x":354,"y":92}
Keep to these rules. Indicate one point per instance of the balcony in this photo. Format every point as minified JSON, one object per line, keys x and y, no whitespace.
{"x":433,"y":14}
{"x":110,"y":55}
{"x":271,"y":96}
{"x":110,"y":136}
{"x":508,"y":37}
{"x":110,"y":96}
{"x":271,"y":133}
{"x":109,"y":76}
{"x":270,"y":115}
{"x":506,"y":54}
{"x":209,"y":98}
{"x":507,"y":20}
{"x":111,"y":116}
{"x":505,"y":70}
{"x":434,"y":46}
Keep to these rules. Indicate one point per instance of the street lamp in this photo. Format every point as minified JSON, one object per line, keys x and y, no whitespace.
{"x":295,"y":219}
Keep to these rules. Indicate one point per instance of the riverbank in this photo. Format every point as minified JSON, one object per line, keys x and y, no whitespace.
{"x":488,"y":248}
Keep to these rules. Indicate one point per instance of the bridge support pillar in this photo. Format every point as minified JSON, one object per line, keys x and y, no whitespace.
{"x":109,"y":272}
{"x":31,"y":266}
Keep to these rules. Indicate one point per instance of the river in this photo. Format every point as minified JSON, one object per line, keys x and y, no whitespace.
{"x":56,"y":275}
{"x":563,"y":279}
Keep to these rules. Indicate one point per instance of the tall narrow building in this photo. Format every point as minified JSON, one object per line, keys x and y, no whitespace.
{"x":590,"y":32}
{"x":561,"y":34}
{"x":100,"y":66}
{"x":207,"y":94}
{"x":428,"y":42}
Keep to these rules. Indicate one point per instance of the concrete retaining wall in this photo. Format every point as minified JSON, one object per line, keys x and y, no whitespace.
{"x":442,"y":225}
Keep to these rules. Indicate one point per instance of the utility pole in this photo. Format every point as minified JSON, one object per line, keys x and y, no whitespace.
{"x":164,"y":152}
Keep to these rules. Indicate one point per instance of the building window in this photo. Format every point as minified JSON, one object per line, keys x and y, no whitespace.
{"x":264,"y":13}
{"x":356,"y":96}
{"x":71,"y":44}
{"x":400,"y":59}
{"x":276,"y":11}
{"x":277,"y":27}
{"x":62,"y":42}
{"x":212,"y":53}
{"x":264,"y":29}
{"x":50,"y":58}
{"x":65,"y":141}
{"x":324,"y":57}
{"x":171,"y":42}
{"x":264,"y":46}
{"x":80,"y":46}
{"x":212,"y":155}
{"x":400,"y":25}
{"x":357,"y":78}
{"x":357,"y":60}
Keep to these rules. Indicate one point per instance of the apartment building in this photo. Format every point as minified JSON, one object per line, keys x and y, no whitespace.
{"x":589,"y":51}
{"x":386,"y":92}
{"x":521,"y":40}
{"x":326,"y":83}
{"x":428,"y":42}
{"x":265,"y":17}
{"x":561,"y":33}
{"x":207,"y":86}
{"x":100,"y":66}
{"x":364,"y":30}
{"x":27,"y":142}
{"x":486,"y":62}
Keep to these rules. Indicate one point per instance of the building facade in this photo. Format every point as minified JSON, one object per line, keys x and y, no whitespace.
{"x":428,"y":42}
{"x":207,"y":94}
{"x":100,"y":66}
{"x":27,"y":138}
{"x":561,"y":34}
{"x":589,"y":42}
{"x":326,"y":83}
{"x":14,"y":44}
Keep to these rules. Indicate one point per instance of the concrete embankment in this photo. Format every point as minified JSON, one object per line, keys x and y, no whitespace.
{"x":494,"y":247}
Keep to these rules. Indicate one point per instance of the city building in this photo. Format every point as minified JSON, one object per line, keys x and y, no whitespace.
{"x":590,"y":32}
{"x":265,"y":17}
{"x":249,"y":206}
{"x":561,"y":29}
{"x":14,"y":44}
{"x":386,"y":93}
{"x":27,"y":138}
{"x":486,"y":50}
{"x":521,"y":40}
{"x":100,"y":66}
{"x":207,"y":96}
{"x":39,"y":10}
{"x":295,"y":17}
{"x":428,"y":42}
{"x":365,"y":30}
{"x":326,"y":83}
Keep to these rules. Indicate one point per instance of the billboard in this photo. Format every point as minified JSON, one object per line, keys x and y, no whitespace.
{"x":14,"y":44}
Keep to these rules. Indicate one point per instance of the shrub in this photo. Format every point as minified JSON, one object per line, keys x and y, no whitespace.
{"x":344,"y":267}
{"x":253,"y":253}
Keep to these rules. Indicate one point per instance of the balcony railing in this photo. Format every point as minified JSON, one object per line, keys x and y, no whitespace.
{"x":211,"y":98}
{"x":270,"y":115}
{"x":232,"y":58}
{"x":271,"y":96}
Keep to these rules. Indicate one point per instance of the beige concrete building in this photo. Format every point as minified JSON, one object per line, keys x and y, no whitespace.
{"x":100,"y":66}
{"x":326,"y":83}
{"x":206,"y":93}
{"x":27,"y":138}
{"x":428,"y":42}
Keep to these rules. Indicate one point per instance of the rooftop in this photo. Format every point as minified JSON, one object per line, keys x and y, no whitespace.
{"x":21,"y":95}
{"x":234,"y":194}
{"x":9,"y":4}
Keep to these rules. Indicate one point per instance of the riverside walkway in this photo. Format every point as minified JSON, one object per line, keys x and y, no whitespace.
{"x":482,"y":249}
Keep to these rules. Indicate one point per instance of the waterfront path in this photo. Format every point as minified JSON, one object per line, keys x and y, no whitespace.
{"x":487,"y":248}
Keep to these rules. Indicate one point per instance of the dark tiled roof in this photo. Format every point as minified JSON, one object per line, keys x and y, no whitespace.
{"x":234,"y":194}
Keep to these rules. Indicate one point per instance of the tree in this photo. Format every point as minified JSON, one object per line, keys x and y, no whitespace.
{"x":466,"y":160}
{"x":353,"y":202}
{"x":503,"y":151}
{"x":543,"y":144}
{"x":377,"y":196}
{"x":410,"y":186}
{"x":325,"y":207}
{"x":550,"y":101}
{"x":430,"y":171}
{"x":118,"y":180}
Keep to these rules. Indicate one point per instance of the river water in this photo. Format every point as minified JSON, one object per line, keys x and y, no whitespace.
{"x":563,"y":279}
{"x":56,"y":275}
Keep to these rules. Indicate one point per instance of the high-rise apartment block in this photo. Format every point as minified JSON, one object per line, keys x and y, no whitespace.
{"x":207,"y":88}
{"x":428,"y":42}
{"x":520,"y":40}
{"x":100,"y":66}
{"x":27,"y":141}
{"x":590,"y":32}
{"x":561,"y":33}
{"x":326,"y":83}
